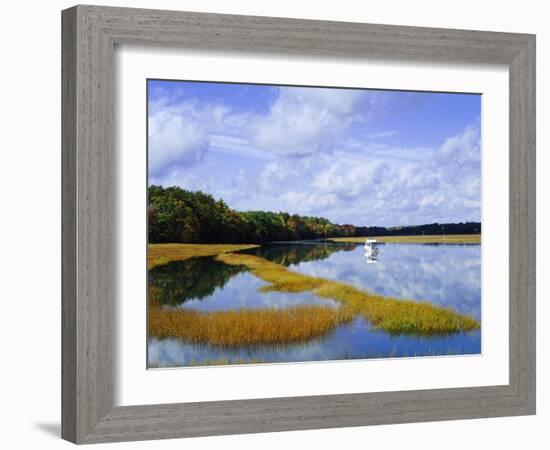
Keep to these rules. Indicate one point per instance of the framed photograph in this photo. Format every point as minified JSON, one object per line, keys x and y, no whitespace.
{"x":277,"y":224}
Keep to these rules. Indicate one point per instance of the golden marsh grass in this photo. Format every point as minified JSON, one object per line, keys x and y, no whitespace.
{"x":235,"y":328}
{"x":159,"y":254}
{"x":390,"y":314}
{"x":395,"y":315}
{"x":437,"y":239}
{"x":223,"y":362}
{"x":279,"y":277}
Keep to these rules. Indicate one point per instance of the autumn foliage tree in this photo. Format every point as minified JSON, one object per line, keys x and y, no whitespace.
{"x":177,"y":215}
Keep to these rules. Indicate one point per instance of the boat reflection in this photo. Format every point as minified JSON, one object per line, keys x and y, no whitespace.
{"x":371,"y":251}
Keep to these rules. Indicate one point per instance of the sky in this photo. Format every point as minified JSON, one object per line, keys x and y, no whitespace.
{"x":354,"y":156}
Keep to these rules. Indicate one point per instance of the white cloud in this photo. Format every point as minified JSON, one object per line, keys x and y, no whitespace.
{"x":307,"y":202}
{"x":178,"y":134}
{"x":305,"y":121}
{"x":284,"y":173}
{"x":383,"y":134}
{"x":301,"y":122}
{"x":442,"y":185}
{"x":234,"y":145}
{"x":349,"y":179}
{"x":462,"y":150}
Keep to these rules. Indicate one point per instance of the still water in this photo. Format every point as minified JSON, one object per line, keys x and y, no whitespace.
{"x":446,"y":275}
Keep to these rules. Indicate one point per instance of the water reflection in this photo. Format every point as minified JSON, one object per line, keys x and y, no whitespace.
{"x":204,"y":284}
{"x":446,"y":275}
{"x":371,"y":253}
{"x":289,"y":253}
{"x":242,"y":292}
{"x":356,"y":340}
{"x":195,"y":278}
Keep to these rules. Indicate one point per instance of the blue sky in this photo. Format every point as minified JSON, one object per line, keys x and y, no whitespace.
{"x":365,"y":157}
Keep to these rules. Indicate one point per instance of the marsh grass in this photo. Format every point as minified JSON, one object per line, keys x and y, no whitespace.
{"x":395,"y":315}
{"x":279,"y":277}
{"x":390,"y":314}
{"x":435,"y":239}
{"x":235,"y":328}
{"x":223,"y":362}
{"x":158,"y":254}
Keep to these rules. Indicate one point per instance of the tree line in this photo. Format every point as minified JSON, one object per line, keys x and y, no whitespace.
{"x":418,"y":230}
{"x":177,"y":215}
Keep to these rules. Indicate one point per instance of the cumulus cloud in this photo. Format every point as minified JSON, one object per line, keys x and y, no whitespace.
{"x":179,"y":134}
{"x":462,"y":150}
{"x":305,"y":121}
{"x":300,"y":122}
{"x":443,"y":185}
{"x":349,"y":179}
{"x":285,"y":173}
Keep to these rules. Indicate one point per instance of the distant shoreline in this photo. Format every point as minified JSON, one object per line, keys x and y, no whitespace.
{"x":159,"y":254}
{"x":433,"y":239}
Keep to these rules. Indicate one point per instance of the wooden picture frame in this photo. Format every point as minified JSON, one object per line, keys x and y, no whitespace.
{"x":90,"y":34}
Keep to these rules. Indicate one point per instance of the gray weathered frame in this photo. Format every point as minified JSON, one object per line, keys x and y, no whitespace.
{"x":89,"y":36}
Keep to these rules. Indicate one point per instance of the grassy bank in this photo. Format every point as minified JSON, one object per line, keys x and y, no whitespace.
{"x":440,"y":239}
{"x":390,"y":314}
{"x":235,"y":328}
{"x":159,"y":254}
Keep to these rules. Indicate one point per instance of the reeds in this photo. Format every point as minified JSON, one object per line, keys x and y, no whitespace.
{"x":279,"y":277}
{"x":235,"y":328}
{"x":223,"y":362}
{"x":395,"y":315}
{"x":390,"y":314}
